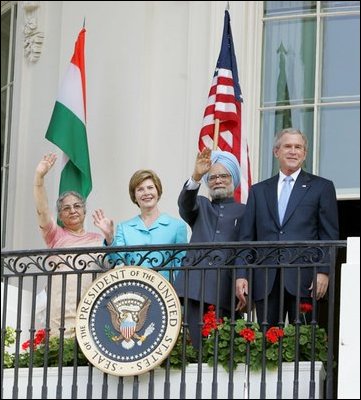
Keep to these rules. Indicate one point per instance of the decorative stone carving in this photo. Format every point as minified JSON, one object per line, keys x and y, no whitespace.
{"x":33,"y":37}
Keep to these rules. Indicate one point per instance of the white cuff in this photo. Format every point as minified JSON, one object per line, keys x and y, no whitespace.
{"x":192,"y":184}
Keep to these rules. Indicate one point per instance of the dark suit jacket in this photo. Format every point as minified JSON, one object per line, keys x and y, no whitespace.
{"x":311,"y":214}
{"x":216,"y":221}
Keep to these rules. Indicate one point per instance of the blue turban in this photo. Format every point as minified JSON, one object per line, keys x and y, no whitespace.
{"x":229,"y":161}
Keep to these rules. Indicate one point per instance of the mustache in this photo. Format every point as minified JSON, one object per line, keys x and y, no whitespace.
{"x":221,"y":193}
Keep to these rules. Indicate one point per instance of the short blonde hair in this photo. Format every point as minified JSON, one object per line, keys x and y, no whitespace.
{"x":139,"y":177}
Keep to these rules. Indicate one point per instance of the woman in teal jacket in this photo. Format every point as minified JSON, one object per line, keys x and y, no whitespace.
{"x":150,"y":227}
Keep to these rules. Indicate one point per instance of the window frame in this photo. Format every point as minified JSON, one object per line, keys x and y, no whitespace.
{"x":12,"y":8}
{"x":318,"y":105}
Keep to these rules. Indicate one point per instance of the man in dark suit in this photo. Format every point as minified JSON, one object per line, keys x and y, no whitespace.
{"x":217,"y":219}
{"x":310,"y":214}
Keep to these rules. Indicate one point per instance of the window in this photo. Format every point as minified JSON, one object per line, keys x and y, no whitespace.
{"x":8,"y":24}
{"x":311,"y":81}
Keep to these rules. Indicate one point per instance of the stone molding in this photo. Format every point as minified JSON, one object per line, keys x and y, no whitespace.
{"x":33,"y":37}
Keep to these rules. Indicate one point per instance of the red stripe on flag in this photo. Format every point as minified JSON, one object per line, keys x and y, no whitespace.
{"x":78,"y":59}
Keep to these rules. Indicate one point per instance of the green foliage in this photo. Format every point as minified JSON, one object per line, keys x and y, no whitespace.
{"x":42,"y":352}
{"x":252,"y":344}
{"x":53,"y":354}
{"x":176,"y":358}
{"x":9,"y":340}
{"x":248,"y":341}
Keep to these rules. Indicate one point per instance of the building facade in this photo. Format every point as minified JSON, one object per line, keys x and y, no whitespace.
{"x":149,"y":66}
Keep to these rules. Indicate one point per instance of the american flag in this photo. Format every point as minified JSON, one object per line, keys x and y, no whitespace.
{"x":224,"y":103}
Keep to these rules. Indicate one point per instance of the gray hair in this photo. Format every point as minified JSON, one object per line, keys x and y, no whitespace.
{"x":291,"y":131}
{"x":61,"y":198}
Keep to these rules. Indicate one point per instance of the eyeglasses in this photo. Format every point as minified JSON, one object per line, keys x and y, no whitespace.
{"x":68,"y":207}
{"x":222,"y":177}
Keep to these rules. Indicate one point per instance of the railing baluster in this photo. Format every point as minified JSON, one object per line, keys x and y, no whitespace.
{"x":297,"y":336}
{"x":105,"y":386}
{"x":232,"y":324}
{"x":17,"y":343}
{"x":89,"y":386}
{"x":264,"y":330}
{"x":120,"y":388}
{"x":167,"y":380}
{"x":281,"y":325}
{"x":151,"y":385}
{"x":4,"y":304}
{"x":136,"y":387}
{"x":44,"y":389}
{"x":331,"y":308}
{"x":29,"y":394}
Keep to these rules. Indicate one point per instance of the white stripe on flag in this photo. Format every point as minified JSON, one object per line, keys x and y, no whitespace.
{"x":226,"y":107}
{"x":223,"y":89}
{"x":208,"y":141}
{"x":225,"y":73}
{"x":211,"y":100}
{"x":228,"y":137}
{"x":71,"y":92}
{"x":208,"y":120}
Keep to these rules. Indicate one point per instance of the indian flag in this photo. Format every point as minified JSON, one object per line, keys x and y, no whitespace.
{"x":67,"y":128}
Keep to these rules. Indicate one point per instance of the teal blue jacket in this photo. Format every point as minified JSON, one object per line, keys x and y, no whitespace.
{"x":165,"y":230}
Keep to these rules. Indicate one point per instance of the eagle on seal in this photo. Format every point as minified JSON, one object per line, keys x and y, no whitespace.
{"x":128,"y":317}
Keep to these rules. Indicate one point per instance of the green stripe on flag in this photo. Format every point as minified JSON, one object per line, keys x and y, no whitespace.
{"x":73,"y":179}
{"x":68,"y":132}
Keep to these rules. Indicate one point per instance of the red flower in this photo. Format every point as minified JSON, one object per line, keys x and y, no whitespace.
{"x":305,"y":307}
{"x":206,"y":331}
{"x":25,"y":345}
{"x":39,"y":338}
{"x":248,"y":334}
{"x":273,"y":334}
{"x":210,"y":322}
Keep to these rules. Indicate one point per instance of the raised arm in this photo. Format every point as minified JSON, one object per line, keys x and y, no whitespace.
{"x":187,"y":200}
{"x":40,"y":196}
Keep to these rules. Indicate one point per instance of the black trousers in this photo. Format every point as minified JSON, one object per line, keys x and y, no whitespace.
{"x":273,"y":316}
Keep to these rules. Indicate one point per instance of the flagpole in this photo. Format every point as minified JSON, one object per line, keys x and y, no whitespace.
{"x":216,"y":134}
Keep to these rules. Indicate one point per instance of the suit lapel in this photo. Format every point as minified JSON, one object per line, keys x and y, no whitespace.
{"x":271,"y":198}
{"x":300,"y":188}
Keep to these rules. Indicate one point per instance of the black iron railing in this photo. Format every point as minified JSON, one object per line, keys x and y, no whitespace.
{"x":28,"y":270}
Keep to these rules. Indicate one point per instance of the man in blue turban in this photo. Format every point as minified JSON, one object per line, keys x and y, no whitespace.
{"x":213,"y":219}
{"x":229,"y":161}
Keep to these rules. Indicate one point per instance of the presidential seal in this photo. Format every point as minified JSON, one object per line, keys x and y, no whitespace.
{"x":128,"y":321}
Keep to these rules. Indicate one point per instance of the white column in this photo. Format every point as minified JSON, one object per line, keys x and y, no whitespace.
{"x":349,"y":342}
